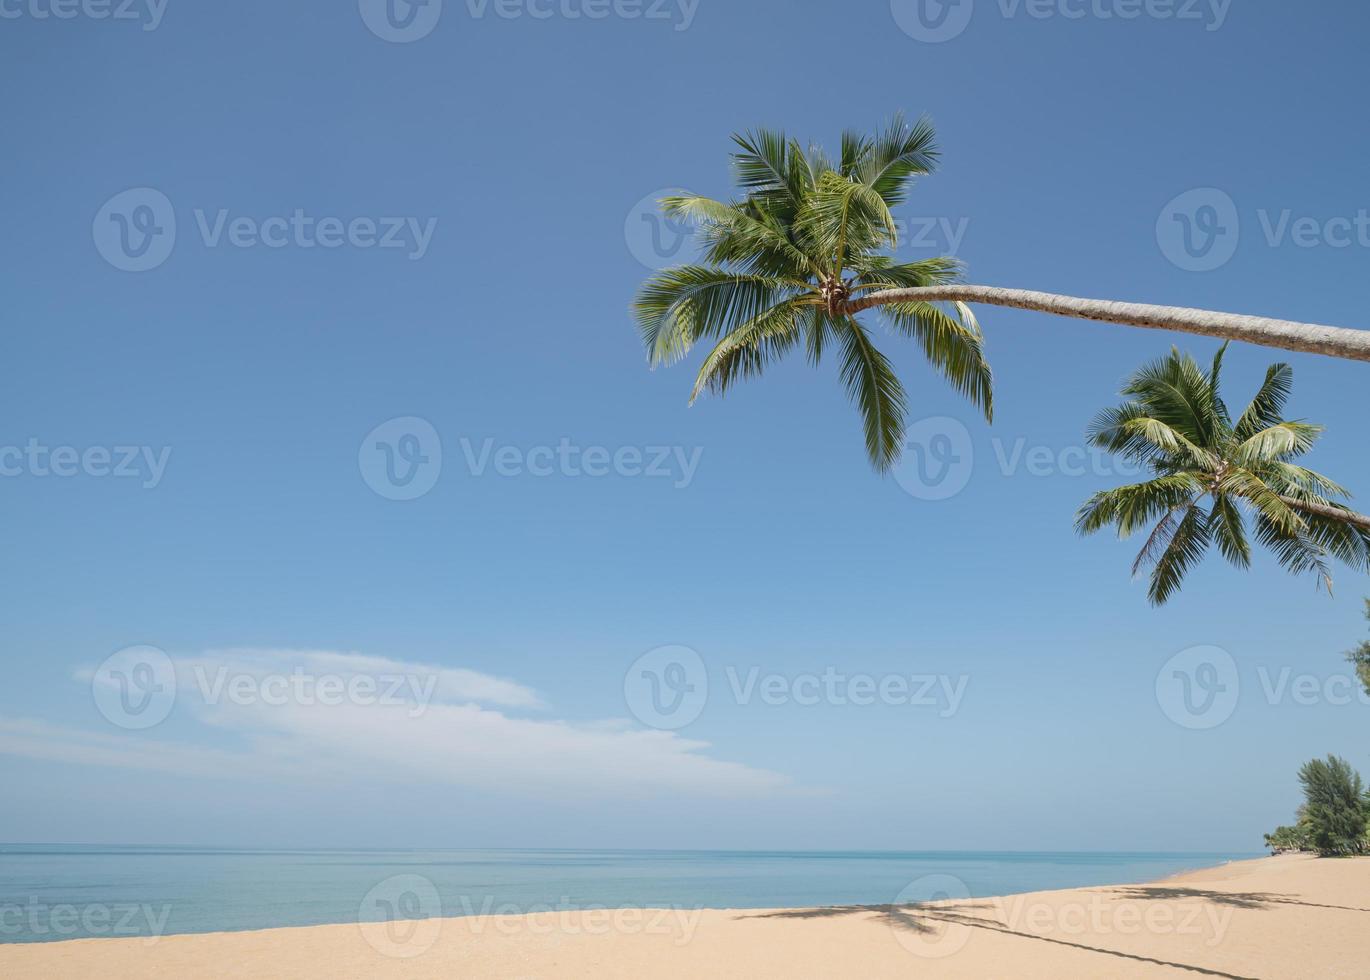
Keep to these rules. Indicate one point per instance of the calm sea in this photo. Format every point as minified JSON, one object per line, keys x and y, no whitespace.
{"x":54,"y":892}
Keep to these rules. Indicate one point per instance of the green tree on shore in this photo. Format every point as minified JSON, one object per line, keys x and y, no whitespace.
{"x":1296,"y":838}
{"x":1360,"y":657}
{"x":1336,"y":806}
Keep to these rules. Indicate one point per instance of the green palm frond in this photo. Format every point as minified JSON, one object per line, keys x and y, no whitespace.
{"x":1277,"y":443}
{"x":842,"y":215}
{"x":1267,"y":408}
{"x":875,"y":388}
{"x":1185,"y":547}
{"x":898,"y":155}
{"x":1297,"y":553}
{"x":1131,"y":507}
{"x":855,"y":149}
{"x":1290,"y":479}
{"x":882,"y":272}
{"x":746,"y":351}
{"x":679,"y":306}
{"x":750,"y":238}
{"x":953,"y":344}
{"x":1215,"y":393}
{"x":768,"y":171}
{"x":1176,"y":424}
{"x":1229,"y":530}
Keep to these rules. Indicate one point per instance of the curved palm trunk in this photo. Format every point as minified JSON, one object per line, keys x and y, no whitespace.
{"x":1334,"y":513}
{"x":1286,"y":334}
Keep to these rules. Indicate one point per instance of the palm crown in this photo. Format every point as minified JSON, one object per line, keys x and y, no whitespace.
{"x":1210,"y":472}
{"x":781,"y":264}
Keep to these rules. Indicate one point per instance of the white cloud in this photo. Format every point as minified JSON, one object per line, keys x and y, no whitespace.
{"x":462,"y":735}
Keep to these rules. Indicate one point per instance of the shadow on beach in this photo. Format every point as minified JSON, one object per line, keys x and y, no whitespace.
{"x":927,"y":919}
{"x":1236,"y":900}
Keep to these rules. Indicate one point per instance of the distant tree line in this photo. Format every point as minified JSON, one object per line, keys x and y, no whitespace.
{"x":1334,"y":819}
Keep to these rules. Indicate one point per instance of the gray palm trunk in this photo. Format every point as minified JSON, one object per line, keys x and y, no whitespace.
{"x":1322,"y":510}
{"x":1308,"y":338}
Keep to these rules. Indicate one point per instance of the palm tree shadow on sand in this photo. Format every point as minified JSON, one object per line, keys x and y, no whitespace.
{"x":1238,"y":900}
{"x":927,"y":919}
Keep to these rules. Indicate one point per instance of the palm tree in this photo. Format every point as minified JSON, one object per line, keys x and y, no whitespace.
{"x":783,"y":265}
{"x":799,"y":257}
{"x":1210,"y":473}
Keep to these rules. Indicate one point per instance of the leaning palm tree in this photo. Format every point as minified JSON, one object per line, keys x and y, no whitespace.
{"x":783,"y":264}
{"x":799,"y":256}
{"x":1210,"y":473}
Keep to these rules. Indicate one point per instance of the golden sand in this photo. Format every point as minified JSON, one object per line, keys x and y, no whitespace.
{"x":1293,"y":916}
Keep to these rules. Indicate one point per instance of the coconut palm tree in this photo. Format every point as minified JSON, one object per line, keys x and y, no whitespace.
{"x":782,"y":265}
{"x":1210,"y":472}
{"x":799,"y":256}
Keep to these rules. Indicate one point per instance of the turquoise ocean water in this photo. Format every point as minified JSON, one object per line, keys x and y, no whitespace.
{"x":55,"y":892}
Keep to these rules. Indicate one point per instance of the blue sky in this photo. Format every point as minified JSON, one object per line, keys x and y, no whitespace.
{"x":505,"y":154}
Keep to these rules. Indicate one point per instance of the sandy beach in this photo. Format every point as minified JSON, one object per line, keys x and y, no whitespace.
{"x":1290,"y":916}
